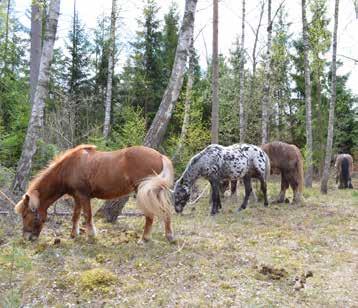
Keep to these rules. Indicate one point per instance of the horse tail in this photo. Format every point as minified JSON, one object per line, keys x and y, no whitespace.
{"x":153,"y":195}
{"x":345,"y":171}
{"x":267,"y":167}
{"x":300,"y":171}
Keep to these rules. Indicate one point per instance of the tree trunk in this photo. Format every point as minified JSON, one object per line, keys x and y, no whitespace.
{"x":327,"y":161}
{"x":309,"y":141}
{"x":266,"y":90}
{"x":356,"y":7}
{"x":320,"y":123}
{"x":112,"y":44}
{"x":242,"y":76}
{"x":5,"y":55}
{"x":187,"y":103}
{"x":37,"y":113}
{"x":159,"y":125}
{"x":111,"y":209}
{"x":35,"y":52}
{"x":215,"y":77}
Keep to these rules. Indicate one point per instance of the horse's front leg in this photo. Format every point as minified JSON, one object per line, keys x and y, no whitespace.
{"x":87,"y":211}
{"x":248,"y":190}
{"x":76,"y":220}
{"x":215,"y":196}
{"x":147,"y":228}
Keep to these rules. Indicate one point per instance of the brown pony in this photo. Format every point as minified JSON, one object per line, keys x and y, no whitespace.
{"x":344,"y":170}
{"x":85,"y":173}
{"x":286,"y":159}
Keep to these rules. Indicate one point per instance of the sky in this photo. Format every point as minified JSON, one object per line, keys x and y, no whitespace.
{"x":229,"y":25}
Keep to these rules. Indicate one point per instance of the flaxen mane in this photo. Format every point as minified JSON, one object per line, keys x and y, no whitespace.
{"x":56,"y":162}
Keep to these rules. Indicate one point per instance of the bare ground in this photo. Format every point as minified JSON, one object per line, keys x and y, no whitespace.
{"x":283,"y":255}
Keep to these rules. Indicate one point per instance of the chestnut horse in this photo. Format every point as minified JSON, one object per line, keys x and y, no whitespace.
{"x":344,"y":170}
{"x":85,"y":173}
{"x":286,"y":159}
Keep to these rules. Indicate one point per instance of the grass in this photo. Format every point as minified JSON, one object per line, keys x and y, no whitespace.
{"x":258,"y":257}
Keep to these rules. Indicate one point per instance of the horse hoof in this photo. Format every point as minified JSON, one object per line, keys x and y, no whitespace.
{"x":266,"y":204}
{"x":143,"y":241}
{"x":240,"y":209}
{"x":171,"y":239}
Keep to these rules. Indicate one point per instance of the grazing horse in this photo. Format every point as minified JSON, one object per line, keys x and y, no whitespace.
{"x":286,"y":159}
{"x":217,"y":163}
{"x":344,"y":170}
{"x":85,"y":173}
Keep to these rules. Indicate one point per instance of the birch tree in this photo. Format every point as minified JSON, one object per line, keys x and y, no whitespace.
{"x":266,"y":89}
{"x":327,"y":161}
{"x":187,"y":102}
{"x":242,"y":76}
{"x":309,"y":139}
{"x":112,"y":44}
{"x":215,"y":77}
{"x":160,"y":123}
{"x":37,"y":113}
{"x":35,"y":51}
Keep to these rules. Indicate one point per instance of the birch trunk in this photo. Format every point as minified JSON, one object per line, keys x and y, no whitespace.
{"x":7,"y":25}
{"x":107,"y":114}
{"x":37,"y":113}
{"x":242,"y":76}
{"x":309,"y":141}
{"x":187,"y":103}
{"x":215,"y":77}
{"x":160,"y":123}
{"x":35,"y":52}
{"x":327,"y":161}
{"x":266,"y":90}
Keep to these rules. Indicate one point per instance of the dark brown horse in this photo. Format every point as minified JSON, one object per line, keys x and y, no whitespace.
{"x":344,"y":170}
{"x":286,"y":159}
{"x":85,"y":173}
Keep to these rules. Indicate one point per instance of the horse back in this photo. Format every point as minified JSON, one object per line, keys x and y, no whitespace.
{"x":113,"y":174}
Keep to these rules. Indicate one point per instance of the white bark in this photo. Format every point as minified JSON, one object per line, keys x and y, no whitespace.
{"x":215,"y":77}
{"x":159,"y":125}
{"x":37,"y":113}
{"x":187,"y":103}
{"x":112,"y":44}
{"x":309,"y":139}
{"x":242,"y":76}
{"x":266,"y":98}
{"x":327,"y":161}
{"x":35,"y":52}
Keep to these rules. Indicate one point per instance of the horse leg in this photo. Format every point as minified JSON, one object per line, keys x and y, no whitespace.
{"x":86,"y":206}
{"x":168,"y":230}
{"x":215,"y":196}
{"x":263,"y":186}
{"x":284,"y":186}
{"x":350,"y":183}
{"x":75,"y":220}
{"x":233,"y":187}
{"x":147,"y":228}
{"x":248,"y":190}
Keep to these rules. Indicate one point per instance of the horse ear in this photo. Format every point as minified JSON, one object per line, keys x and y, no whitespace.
{"x":20,"y":206}
{"x":34,"y":201}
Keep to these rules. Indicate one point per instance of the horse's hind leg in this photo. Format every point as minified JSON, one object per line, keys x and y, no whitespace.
{"x":350,"y":183}
{"x":147,"y":228}
{"x":168,"y":229}
{"x":284,"y":186}
{"x":248,"y":190}
{"x":263,"y":186}
{"x":76,"y":220}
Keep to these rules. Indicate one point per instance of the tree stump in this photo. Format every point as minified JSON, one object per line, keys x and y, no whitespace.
{"x":111,"y":209}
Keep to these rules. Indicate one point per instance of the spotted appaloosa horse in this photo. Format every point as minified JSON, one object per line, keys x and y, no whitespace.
{"x":344,"y":170}
{"x":85,"y":173}
{"x":217,"y":163}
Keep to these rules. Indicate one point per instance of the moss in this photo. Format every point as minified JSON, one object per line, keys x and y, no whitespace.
{"x":97,"y":279}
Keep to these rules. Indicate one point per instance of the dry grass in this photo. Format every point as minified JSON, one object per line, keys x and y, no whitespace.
{"x":258,"y":257}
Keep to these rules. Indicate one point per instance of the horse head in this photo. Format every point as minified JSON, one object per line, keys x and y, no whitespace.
{"x":32,"y":218}
{"x":181,"y":195}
